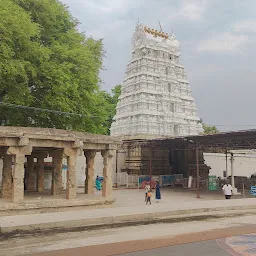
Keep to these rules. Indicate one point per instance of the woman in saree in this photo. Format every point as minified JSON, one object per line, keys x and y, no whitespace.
{"x":98,"y":183}
{"x":158,"y":193}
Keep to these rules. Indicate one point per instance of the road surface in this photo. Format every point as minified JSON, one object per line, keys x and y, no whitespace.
{"x":209,"y":248}
{"x":164,"y":237}
{"x":235,"y":245}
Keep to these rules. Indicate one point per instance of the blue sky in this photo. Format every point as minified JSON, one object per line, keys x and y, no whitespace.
{"x":217,"y":37}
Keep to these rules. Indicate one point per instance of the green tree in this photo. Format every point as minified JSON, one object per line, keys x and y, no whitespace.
{"x":111,"y":100}
{"x":116,"y":92}
{"x":17,"y":48}
{"x":209,"y":129}
{"x":46,"y":62}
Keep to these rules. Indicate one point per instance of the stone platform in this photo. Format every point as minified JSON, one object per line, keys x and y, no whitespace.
{"x":124,"y":216}
{"x":44,"y":202}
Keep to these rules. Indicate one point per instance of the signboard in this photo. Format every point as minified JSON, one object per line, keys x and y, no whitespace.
{"x":145,"y":180}
{"x":190,"y":179}
{"x":178,"y":176}
{"x":212,"y":185}
{"x":253,"y":190}
{"x":167,"y":180}
{"x":178,"y":179}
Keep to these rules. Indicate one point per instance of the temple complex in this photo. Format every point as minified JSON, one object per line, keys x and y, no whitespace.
{"x":155,"y":102}
{"x":156,"y":98}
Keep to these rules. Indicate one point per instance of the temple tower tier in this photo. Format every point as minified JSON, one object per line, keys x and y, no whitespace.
{"x":156,"y":98}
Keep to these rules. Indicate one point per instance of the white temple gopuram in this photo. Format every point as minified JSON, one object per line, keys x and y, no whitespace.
{"x":156,"y":98}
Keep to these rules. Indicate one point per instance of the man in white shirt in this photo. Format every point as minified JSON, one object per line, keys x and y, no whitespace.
{"x":227,"y":189}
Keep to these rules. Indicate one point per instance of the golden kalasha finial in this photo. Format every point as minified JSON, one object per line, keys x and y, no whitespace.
{"x":156,"y":33}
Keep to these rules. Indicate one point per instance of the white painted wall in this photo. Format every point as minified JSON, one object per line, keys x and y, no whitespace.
{"x":81,"y":166}
{"x":244,"y":165}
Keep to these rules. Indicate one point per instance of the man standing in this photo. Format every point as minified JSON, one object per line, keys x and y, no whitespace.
{"x":227,"y":189}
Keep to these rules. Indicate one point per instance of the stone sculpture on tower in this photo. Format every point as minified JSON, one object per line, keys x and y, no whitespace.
{"x":156,"y":98}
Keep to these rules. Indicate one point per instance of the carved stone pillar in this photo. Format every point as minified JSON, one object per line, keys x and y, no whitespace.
{"x":107,"y":172}
{"x":40,"y":173}
{"x":71,"y":173}
{"x":30,"y":173}
{"x":19,"y":154}
{"x":6,"y":191}
{"x":57,"y":158}
{"x":89,"y":172}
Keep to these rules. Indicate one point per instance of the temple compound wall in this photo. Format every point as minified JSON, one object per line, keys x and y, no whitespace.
{"x":244,"y":164}
{"x":168,"y":162}
{"x":143,"y":160}
{"x":24,"y":150}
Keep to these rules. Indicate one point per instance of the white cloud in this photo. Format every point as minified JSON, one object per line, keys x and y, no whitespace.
{"x":105,"y":7}
{"x":241,"y":33}
{"x":111,"y":29}
{"x":186,"y":9}
{"x":193,"y":9}
{"x":245,"y":26}
{"x":223,"y":43}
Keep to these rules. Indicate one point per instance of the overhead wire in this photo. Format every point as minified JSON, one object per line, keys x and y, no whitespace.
{"x":93,"y":116}
{"x":45,"y":110}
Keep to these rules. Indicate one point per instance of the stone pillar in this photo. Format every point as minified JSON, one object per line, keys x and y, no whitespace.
{"x":71,"y":173}
{"x":232,"y":170}
{"x":107,"y":172}
{"x":6,"y":191}
{"x":234,"y":191}
{"x":57,"y":158}
{"x":40,"y":173}
{"x":18,"y":171}
{"x":30,"y":173}
{"x":89,"y":172}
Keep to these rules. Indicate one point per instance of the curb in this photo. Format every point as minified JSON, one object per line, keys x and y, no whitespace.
{"x":125,"y":220}
{"x":51,"y":207}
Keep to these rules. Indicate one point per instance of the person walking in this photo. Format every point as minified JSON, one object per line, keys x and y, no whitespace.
{"x":148,"y":197}
{"x":147,"y":188}
{"x":227,"y":190}
{"x":158,"y":193}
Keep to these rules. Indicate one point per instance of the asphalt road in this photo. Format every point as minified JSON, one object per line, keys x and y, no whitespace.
{"x":238,"y":245}
{"x":209,"y":248}
{"x":211,"y":237}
